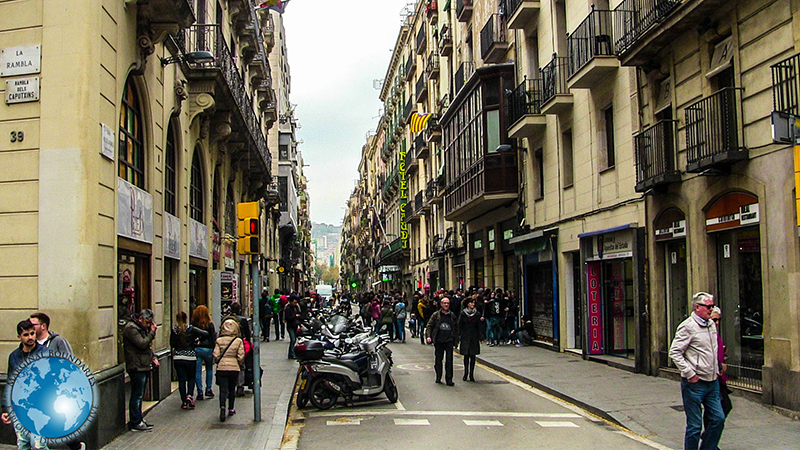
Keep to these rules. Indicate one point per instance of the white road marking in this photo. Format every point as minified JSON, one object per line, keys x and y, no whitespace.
{"x":557,"y":424}
{"x":388,"y":412}
{"x":644,"y":441}
{"x":399,"y":406}
{"x":482,"y":423}
{"x":411,"y":422}
{"x":344,"y":421}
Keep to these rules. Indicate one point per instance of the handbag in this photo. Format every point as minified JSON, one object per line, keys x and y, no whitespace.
{"x":725,"y":397}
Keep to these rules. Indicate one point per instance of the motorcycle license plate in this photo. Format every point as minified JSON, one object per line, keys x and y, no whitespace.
{"x":303,"y":384}
{"x":373,"y":363}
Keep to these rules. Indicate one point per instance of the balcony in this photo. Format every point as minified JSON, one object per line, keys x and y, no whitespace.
{"x":523,"y":13}
{"x":411,"y":67}
{"x":591,"y":51}
{"x":408,"y":110}
{"x":392,"y":249}
{"x":494,"y":44}
{"x":463,"y":74}
{"x":421,"y":146}
{"x":786,"y":85}
{"x":421,"y":89}
{"x":169,"y":16}
{"x":268,"y":30}
{"x":433,"y":193}
{"x":654,"y":149}
{"x":445,"y":41}
{"x":432,"y":11}
{"x":434,"y":131}
{"x":525,"y":110}
{"x":556,"y":97}
{"x":412,"y":161}
{"x":645,"y":27}
{"x":432,"y":67}
{"x":714,"y":138}
{"x":422,"y":40}
{"x":232,"y":94}
{"x":463,"y":10}
{"x":489,"y":183}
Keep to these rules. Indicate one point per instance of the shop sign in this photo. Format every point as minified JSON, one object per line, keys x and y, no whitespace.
{"x":403,"y":199}
{"x":22,"y":60}
{"x":613,"y":246}
{"x":198,"y":240}
{"x":172,"y":236}
{"x":229,"y":286}
{"x":107,"y":141}
{"x":387,"y":269}
{"x":230,"y":261}
{"x":508,"y":234}
{"x":733,"y":211}
{"x":674,"y":230}
{"x":21,"y":90}
{"x":478,"y":243}
{"x":134,"y":212}
{"x":595,"y":315}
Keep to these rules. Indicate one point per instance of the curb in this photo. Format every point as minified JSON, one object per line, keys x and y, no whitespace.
{"x":558,"y":394}
{"x":295,"y":421}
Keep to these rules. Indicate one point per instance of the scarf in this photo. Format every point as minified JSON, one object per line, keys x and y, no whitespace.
{"x":470,"y":312}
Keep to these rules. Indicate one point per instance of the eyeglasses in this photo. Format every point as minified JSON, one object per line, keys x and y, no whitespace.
{"x":711,"y":306}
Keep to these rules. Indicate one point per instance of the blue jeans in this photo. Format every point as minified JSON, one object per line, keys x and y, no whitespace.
{"x":292,"y":340}
{"x":138,"y":381}
{"x":704,"y":393}
{"x":400,"y":328}
{"x":492,"y":329}
{"x":186,"y":371}
{"x":204,"y":356}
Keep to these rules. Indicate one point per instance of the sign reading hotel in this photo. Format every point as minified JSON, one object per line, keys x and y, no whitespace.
{"x":23,"y":60}
{"x":403,"y":199}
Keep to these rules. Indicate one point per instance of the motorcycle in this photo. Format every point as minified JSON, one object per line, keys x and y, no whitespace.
{"x":363,"y":368}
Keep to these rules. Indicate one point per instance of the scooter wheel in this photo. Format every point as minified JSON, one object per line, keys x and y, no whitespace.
{"x":321,"y":397}
{"x":391,"y":389}
{"x":302,"y":401}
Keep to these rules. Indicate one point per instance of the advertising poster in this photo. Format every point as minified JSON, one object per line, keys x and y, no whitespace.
{"x":595,"y":314}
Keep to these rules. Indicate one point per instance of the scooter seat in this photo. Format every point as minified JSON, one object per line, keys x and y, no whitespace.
{"x":352,"y":356}
{"x":344,"y":362}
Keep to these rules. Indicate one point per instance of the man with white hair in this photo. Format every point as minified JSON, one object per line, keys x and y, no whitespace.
{"x":694,"y":351}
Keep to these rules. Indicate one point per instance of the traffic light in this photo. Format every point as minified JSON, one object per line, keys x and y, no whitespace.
{"x":249,"y":228}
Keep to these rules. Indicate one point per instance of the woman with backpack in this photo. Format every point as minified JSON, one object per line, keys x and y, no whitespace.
{"x":183,"y":340}
{"x":229,"y":357}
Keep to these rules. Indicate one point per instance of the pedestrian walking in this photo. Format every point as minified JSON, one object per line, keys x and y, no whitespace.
{"x":202,"y":321}
{"x":291,"y":317}
{"x":228,"y":354}
{"x":694,"y":352}
{"x":442,"y":331}
{"x":400,"y":320}
{"x":280,"y":326}
{"x":247,"y":337}
{"x":387,"y":319}
{"x":183,"y":340}
{"x":422,"y":319}
{"x":55,"y":343}
{"x":28,"y":347}
{"x":265,"y":308}
{"x":137,"y":339}
{"x":469,"y":327}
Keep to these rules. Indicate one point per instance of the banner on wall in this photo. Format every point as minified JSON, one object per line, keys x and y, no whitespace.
{"x":134,"y":212}
{"x":172,"y":236}
{"x":595,"y":315}
{"x":198,"y":240}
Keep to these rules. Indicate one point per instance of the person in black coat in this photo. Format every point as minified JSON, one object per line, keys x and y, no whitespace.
{"x":469,"y":325}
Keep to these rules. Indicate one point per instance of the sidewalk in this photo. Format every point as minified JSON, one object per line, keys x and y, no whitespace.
{"x":644,"y":404}
{"x":201,"y":429}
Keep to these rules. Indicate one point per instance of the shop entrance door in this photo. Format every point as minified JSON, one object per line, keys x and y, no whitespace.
{"x":677,"y":295}
{"x":618,"y":307}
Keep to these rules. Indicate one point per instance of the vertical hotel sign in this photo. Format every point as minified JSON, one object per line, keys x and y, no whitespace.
{"x":594,"y":303}
{"x":403,"y":199}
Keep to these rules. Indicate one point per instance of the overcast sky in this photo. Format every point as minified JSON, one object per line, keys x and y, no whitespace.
{"x":336,"y":50}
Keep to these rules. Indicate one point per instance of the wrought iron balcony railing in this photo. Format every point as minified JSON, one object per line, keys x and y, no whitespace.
{"x":408,"y":109}
{"x":633,"y":18}
{"x":463,"y":10}
{"x":525,"y":99}
{"x":209,"y":38}
{"x":593,"y":37}
{"x":422,"y":40}
{"x":713,"y":131}
{"x":493,"y":39}
{"x":554,"y":78}
{"x":463,"y":74}
{"x":495,"y":173}
{"x":411,"y":66}
{"x":432,"y":68}
{"x":445,"y":41}
{"x":654,"y":149}
{"x":786,"y":85}
{"x":422,"y":89}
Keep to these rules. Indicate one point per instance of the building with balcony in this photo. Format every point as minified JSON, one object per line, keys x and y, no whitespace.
{"x":119,"y":192}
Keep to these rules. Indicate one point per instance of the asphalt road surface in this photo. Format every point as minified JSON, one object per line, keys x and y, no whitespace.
{"x":494,"y":412}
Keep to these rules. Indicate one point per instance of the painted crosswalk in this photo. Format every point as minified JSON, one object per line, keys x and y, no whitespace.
{"x":482,"y":423}
{"x":476,"y":422}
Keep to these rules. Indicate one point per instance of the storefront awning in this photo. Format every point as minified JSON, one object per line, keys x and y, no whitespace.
{"x":607,"y":230}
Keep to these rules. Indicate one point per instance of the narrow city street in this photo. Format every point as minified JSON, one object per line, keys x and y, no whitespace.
{"x":494,"y":412}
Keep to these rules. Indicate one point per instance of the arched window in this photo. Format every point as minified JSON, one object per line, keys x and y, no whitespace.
{"x":170,"y":173}
{"x":131,"y":141}
{"x":196,"y":200}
